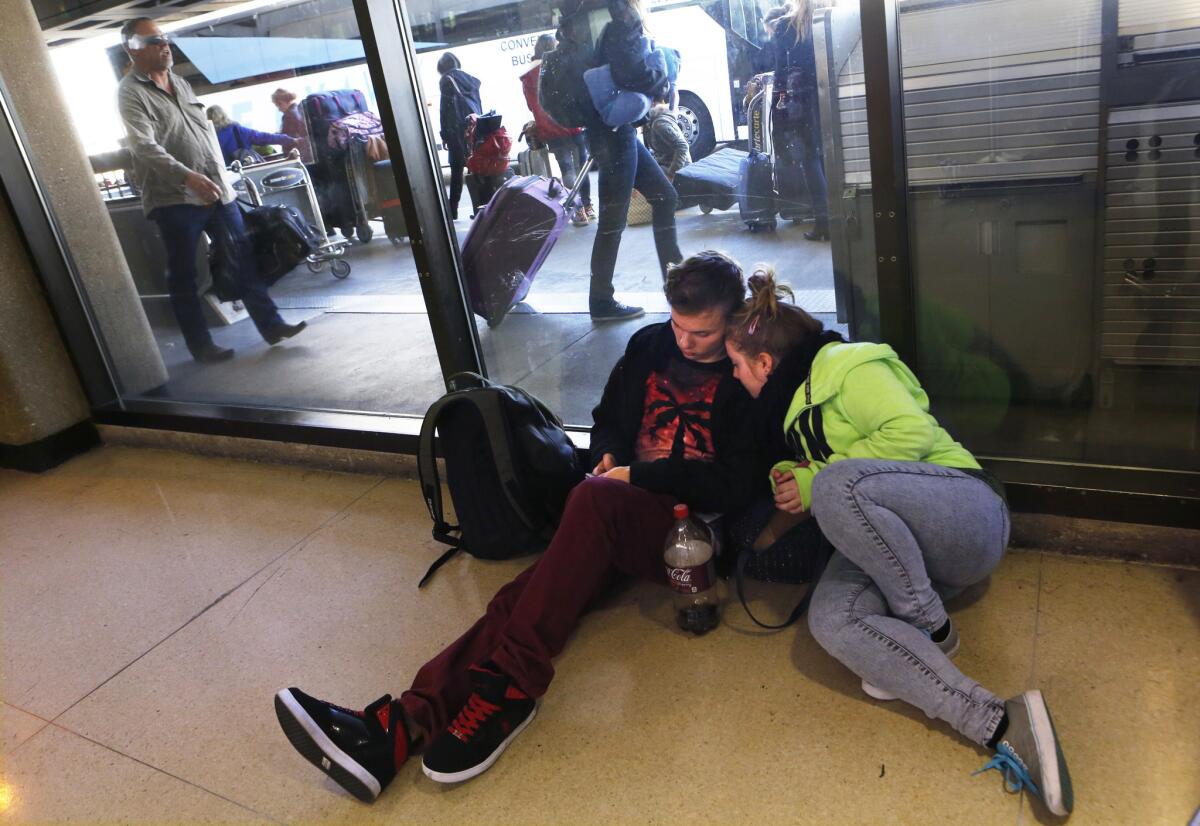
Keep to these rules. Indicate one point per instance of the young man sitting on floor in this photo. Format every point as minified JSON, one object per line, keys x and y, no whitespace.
{"x":672,"y":426}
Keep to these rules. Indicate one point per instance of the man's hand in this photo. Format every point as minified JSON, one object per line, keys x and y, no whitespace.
{"x":787,"y":492}
{"x":606,"y":464}
{"x":621,"y":474}
{"x":205,"y":189}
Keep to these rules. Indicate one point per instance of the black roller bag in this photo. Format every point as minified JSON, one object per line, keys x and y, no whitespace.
{"x":756,"y":192}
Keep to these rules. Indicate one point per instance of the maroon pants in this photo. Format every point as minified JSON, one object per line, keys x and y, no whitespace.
{"x":609,"y":529}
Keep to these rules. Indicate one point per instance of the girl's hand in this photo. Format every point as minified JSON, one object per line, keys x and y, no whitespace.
{"x":787,"y":492}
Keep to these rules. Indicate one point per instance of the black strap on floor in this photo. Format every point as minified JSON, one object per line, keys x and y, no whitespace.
{"x":824,"y":551}
{"x":455,"y":547}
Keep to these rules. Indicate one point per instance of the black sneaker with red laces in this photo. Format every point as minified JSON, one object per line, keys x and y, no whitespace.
{"x":361,"y":750}
{"x":495,"y":713}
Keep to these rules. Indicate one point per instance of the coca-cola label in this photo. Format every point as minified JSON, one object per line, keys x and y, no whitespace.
{"x":691,"y":580}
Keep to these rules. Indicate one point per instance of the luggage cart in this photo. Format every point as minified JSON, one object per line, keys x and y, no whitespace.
{"x":286,"y":182}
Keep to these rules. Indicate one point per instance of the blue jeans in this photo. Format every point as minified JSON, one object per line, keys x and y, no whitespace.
{"x":624,"y":162}
{"x":180,"y":226}
{"x":571,"y":154}
{"x":908,"y":535}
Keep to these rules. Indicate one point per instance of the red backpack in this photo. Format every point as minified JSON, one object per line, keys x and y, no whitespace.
{"x":489,"y":153}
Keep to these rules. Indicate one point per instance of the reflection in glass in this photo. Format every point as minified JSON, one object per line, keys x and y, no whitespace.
{"x":550,"y":342}
{"x":287,"y":87}
{"x":1053,"y":239}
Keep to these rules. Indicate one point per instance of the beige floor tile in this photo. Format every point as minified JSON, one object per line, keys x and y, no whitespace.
{"x":1118,"y":658}
{"x":16,"y":726}
{"x":58,"y":777}
{"x":642,"y":725}
{"x":106,"y":555}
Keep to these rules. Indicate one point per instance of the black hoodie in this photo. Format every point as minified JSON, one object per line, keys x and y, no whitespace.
{"x":729,"y":477}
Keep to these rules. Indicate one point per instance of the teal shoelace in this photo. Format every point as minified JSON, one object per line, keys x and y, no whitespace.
{"x":1007,"y":763}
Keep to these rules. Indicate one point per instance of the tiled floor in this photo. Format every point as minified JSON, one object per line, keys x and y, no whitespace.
{"x":153,"y":602}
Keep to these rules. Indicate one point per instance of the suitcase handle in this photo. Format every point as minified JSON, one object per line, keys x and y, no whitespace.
{"x":579,"y":179}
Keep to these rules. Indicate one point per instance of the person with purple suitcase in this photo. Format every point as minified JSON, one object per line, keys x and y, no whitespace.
{"x":623,"y":161}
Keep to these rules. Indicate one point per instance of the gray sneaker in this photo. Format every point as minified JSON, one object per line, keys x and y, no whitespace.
{"x":614,"y":311}
{"x":949,"y":647}
{"x":1030,"y":756}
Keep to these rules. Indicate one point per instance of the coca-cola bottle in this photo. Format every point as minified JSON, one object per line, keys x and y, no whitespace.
{"x":688,"y":555}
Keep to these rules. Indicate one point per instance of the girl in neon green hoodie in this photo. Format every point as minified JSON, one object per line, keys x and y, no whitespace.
{"x":912,"y":516}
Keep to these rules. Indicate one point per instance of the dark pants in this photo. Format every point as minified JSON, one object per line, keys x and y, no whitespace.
{"x":798,"y":152}
{"x":624,"y":163}
{"x":609,"y":530}
{"x":180,"y":226}
{"x":571,"y":153}
{"x":458,"y":160}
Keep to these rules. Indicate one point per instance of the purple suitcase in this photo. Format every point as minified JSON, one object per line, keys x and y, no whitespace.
{"x":510,"y":238}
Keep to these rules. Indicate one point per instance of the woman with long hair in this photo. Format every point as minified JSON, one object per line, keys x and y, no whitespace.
{"x":624,"y":163}
{"x":911,"y":515}
{"x":796,"y":124}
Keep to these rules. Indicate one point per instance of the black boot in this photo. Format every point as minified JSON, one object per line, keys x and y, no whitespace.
{"x":276,"y":334}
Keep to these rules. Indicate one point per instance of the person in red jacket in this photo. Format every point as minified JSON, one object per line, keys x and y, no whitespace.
{"x":568,"y":145}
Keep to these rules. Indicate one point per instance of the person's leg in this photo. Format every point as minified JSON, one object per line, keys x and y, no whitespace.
{"x":581,"y":152}
{"x":180,"y":227}
{"x":909,"y":525}
{"x":457,"y":161}
{"x":440,"y":687}
{"x":563,"y":150}
{"x":849,"y":618}
{"x":608,"y":529}
{"x":652,"y":182}
{"x":616,"y":159}
{"x":227,"y":230}
{"x":814,"y":172}
{"x":788,"y":174}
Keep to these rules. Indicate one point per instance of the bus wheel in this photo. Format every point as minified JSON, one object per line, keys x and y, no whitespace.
{"x":697,"y":125}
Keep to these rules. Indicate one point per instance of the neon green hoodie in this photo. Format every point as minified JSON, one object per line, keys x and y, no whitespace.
{"x":861,"y":402}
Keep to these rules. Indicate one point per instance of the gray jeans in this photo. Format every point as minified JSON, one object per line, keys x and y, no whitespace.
{"x":908,"y":535}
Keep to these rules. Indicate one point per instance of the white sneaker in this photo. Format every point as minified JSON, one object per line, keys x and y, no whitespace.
{"x":949,"y":647}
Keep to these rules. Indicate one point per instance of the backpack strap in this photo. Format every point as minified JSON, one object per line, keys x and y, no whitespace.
{"x":824,"y":551}
{"x":427,"y":474}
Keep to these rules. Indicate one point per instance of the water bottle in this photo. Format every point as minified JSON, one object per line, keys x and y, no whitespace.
{"x":691,"y":572}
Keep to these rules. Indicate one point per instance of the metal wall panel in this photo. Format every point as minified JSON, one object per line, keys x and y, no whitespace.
{"x":1151,"y":290}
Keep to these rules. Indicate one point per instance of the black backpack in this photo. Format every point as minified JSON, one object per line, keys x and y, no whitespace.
{"x":509,"y":467}
{"x":561,"y":90}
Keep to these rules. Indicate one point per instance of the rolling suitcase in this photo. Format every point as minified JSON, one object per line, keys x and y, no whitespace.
{"x":510,"y":238}
{"x":394,"y":222}
{"x":756,"y":192}
{"x":534,"y":162}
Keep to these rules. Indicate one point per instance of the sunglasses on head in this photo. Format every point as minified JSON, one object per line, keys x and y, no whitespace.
{"x":143,"y":42}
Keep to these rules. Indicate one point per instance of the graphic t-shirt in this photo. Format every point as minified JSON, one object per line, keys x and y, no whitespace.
{"x":677,"y":413}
